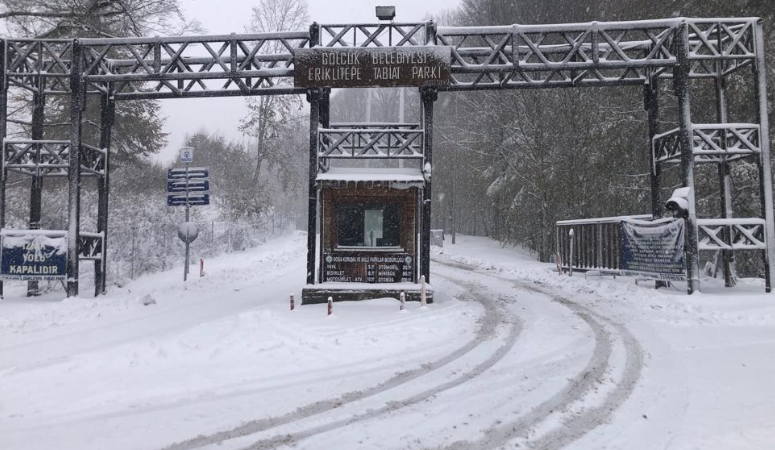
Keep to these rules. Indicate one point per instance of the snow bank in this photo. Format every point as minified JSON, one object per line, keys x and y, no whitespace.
{"x":746,"y":304}
{"x":20,"y":315}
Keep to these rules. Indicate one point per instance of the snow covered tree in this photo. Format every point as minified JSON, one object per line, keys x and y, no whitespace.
{"x":70,"y":18}
{"x":544,"y":156}
{"x":269,"y":113}
{"x":138,"y":126}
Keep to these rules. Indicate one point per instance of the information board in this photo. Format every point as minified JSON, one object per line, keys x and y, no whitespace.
{"x":367,"y":268}
{"x":655,"y":249}
{"x":372,"y":67}
{"x":33,"y":256}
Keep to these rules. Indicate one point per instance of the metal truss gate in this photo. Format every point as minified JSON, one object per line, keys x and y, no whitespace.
{"x":483,"y":58}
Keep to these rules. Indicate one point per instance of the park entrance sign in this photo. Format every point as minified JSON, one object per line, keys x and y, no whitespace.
{"x":372,"y":67}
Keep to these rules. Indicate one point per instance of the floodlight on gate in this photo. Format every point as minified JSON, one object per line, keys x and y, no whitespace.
{"x":386,"y":12}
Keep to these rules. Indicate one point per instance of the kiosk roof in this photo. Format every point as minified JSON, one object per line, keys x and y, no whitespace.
{"x":349,"y":174}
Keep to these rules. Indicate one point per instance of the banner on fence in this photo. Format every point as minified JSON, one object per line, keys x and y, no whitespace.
{"x":33,"y":256}
{"x":653,"y":249}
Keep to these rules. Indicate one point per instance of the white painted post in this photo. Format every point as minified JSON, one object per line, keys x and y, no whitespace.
{"x":570,"y":257}
{"x":403,"y":302}
{"x":765,"y":174}
{"x":422,"y":290}
{"x":293,"y":304}
{"x":330,"y":306}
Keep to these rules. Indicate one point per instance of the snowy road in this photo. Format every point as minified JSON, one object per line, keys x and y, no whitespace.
{"x":504,"y":358}
{"x":544,"y":384}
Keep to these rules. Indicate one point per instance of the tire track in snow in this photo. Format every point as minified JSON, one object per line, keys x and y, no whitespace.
{"x":488,"y":324}
{"x":505,"y":318}
{"x":578,"y":387}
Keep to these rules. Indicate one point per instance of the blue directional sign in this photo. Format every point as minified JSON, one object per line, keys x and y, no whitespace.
{"x":188,"y":187}
{"x":193,"y":199}
{"x":193,"y":185}
{"x":193,"y":172}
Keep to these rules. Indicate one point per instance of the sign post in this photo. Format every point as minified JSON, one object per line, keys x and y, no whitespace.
{"x":188,"y":187}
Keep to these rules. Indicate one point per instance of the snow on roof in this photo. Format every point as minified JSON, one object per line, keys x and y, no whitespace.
{"x":349,"y":174}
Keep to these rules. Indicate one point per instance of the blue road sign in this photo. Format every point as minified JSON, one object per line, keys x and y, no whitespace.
{"x":193,"y":172}
{"x":194,"y":185}
{"x":194,"y":199}
{"x":34,"y":257}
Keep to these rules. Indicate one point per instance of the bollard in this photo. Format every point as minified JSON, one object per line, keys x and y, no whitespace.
{"x":422,"y":291}
{"x":559,"y":264}
{"x":201,"y":267}
{"x":330,"y":306}
{"x":293,"y":304}
{"x":403,"y":302}
{"x":570,"y":258}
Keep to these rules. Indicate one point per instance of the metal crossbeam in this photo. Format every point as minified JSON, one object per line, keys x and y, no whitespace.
{"x":92,"y":160}
{"x":376,"y":35}
{"x":711,"y":143}
{"x":187,"y":66}
{"x":731,"y":43}
{"x":558,"y":55}
{"x":197,"y":66}
{"x":27,"y":60}
{"x":50,"y":158}
{"x":746,"y":234}
{"x":497,"y":57}
{"x":90,"y":246}
{"x":371,"y":141}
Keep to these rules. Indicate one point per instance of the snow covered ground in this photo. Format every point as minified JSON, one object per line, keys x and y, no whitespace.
{"x":510,"y":355}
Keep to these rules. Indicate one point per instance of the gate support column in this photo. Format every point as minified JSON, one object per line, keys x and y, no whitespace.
{"x":725,"y":180}
{"x":682,"y":90}
{"x":313,"y":96}
{"x":3,"y":126}
{"x":765,"y":171}
{"x":325,"y":121}
{"x":36,"y":188}
{"x":651,"y":104}
{"x":77,"y":103}
{"x":428,"y":95}
{"x":107,"y":116}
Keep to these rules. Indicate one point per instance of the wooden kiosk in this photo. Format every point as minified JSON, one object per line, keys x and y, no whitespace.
{"x":369,"y":235}
{"x":370,"y":183}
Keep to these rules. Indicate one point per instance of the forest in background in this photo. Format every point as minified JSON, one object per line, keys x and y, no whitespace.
{"x":508,"y":164}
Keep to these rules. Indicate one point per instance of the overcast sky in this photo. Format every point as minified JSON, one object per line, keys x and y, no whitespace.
{"x":226,"y":16}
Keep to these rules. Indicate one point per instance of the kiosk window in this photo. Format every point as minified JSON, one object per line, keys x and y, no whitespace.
{"x":361,"y":225}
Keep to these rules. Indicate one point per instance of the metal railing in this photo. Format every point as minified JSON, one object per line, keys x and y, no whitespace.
{"x":595,"y":244}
